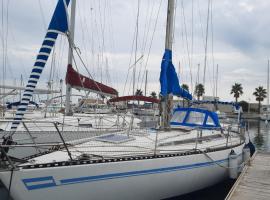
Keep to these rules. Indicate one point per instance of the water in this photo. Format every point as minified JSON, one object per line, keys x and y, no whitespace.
{"x":217,"y":192}
{"x":259,"y":133}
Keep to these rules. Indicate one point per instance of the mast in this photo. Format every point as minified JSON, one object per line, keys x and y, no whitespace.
{"x":169,"y":26}
{"x":136,"y":48}
{"x":198,"y":74}
{"x":168,"y":46}
{"x":145,"y":87}
{"x":70,"y":55}
{"x":268,"y":83}
{"x":217,"y":81}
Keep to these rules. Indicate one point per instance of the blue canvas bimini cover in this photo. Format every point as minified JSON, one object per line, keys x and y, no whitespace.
{"x":168,"y":78}
{"x":195,"y":117}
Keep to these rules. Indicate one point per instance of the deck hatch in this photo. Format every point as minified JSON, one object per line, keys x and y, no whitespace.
{"x":114,"y":138}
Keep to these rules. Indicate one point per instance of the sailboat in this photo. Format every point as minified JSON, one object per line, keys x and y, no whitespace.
{"x":131,"y":164}
{"x":265,"y":115}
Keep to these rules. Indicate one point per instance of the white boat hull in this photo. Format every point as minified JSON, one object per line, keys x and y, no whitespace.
{"x":156,"y":178}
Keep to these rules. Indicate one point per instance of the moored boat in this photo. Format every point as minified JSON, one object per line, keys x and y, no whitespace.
{"x":130,"y":164}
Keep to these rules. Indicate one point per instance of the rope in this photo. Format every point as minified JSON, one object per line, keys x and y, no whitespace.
{"x":215,"y":162}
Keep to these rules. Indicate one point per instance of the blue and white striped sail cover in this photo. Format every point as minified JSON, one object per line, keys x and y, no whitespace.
{"x":168,"y":78}
{"x":58,"y":24}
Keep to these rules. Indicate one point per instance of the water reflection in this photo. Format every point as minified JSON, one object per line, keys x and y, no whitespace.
{"x":258,"y":139}
{"x":259,"y":133}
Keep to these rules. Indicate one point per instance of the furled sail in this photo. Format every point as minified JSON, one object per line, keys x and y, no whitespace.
{"x":133,"y":98}
{"x":168,"y":78}
{"x":58,"y":24}
{"x":81,"y":82}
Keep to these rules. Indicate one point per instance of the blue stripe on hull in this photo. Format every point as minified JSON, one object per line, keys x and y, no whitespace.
{"x":42,"y":182}
{"x":113,"y":175}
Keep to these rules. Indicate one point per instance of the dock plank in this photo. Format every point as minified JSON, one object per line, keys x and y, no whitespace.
{"x":254,"y":182}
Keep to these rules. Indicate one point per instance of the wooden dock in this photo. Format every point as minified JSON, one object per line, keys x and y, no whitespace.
{"x":254,"y":181}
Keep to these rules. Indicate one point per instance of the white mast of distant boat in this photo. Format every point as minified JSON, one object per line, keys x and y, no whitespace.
{"x":165,"y":121}
{"x":267,"y":108}
{"x":70,"y":55}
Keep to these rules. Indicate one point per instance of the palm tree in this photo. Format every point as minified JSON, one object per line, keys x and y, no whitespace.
{"x":138,"y":92}
{"x":199,"y":90}
{"x":153,"y":95}
{"x":237,"y":91}
{"x":260,"y":93}
{"x":185,"y":86}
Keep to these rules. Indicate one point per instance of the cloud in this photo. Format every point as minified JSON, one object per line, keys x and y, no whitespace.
{"x":105,"y":31}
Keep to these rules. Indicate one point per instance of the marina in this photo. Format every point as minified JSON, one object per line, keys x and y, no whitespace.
{"x":253,"y":183}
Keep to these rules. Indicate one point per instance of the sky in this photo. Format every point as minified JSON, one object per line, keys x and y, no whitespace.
{"x":105,"y":37}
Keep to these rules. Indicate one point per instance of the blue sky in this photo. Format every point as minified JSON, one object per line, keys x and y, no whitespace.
{"x":238,"y":41}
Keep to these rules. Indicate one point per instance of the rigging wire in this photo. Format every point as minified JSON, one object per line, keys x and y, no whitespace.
{"x":147,"y":24}
{"x":206,"y":42}
{"x":131,"y":52}
{"x":92,"y":38}
{"x":136,"y":46}
{"x":2,"y":39}
{"x":98,"y":41}
{"x":42,"y":15}
{"x":187,"y":46}
{"x":73,"y":46}
{"x":5,"y":29}
{"x":212,"y":49}
{"x":192,"y":33}
{"x":151,"y":41}
{"x":111,"y":40}
{"x":84,"y":27}
{"x":145,"y":40}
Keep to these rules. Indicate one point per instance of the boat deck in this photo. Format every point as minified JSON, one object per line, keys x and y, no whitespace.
{"x":254,"y":182}
{"x":137,"y":143}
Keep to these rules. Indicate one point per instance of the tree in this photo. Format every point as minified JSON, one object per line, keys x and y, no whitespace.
{"x":185,"y":86}
{"x":199,"y":90}
{"x":260,"y":93}
{"x":237,"y":91}
{"x":153,"y":95}
{"x":244,"y":105}
{"x":139,"y":92}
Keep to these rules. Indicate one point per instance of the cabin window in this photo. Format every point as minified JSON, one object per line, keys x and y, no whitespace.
{"x":178,"y":116}
{"x":195,"y":118}
{"x":210,"y":121}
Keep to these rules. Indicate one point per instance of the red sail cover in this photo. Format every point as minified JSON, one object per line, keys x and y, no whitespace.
{"x":81,"y":82}
{"x":133,"y":98}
